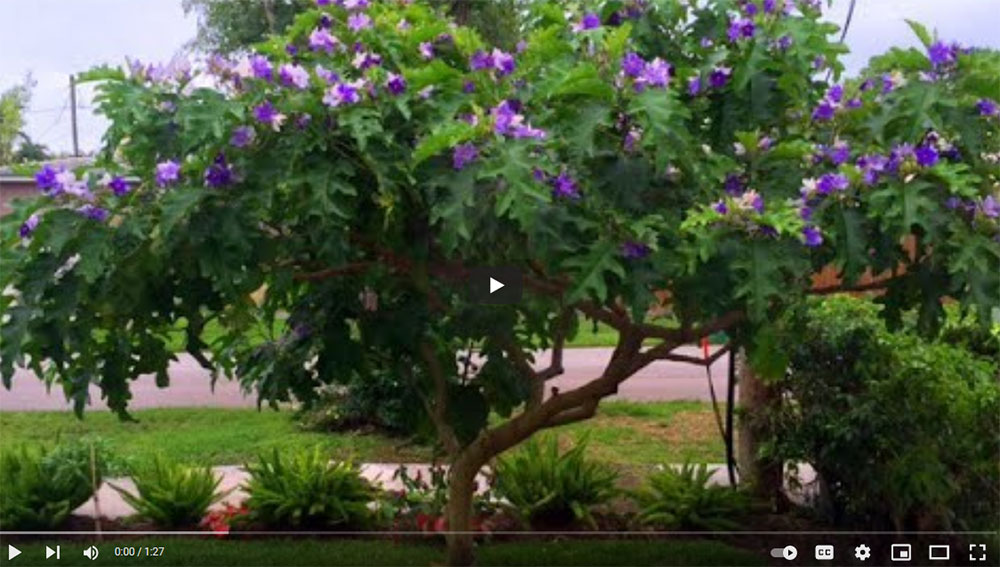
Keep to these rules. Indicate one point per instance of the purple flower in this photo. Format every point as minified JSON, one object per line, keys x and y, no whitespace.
{"x":322,"y":40}
{"x":358,"y":21}
{"x":784,"y":42}
{"x":45,"y":178}
{"x":503,"y":62}
{"x":355,"y":4}
{"x":92,"y":212}
{"x":831,"y":182}
{"x":839,"y":153}
{"x":941,"y":54}
{"x":243,"y":136}
{"x":656,"y":73}
{"x":734,"y":185}
{"x":694,"y":85}
{"x":427,"y":50}
{"x":952,"y":203}
{"x":590,"y":21}
{"x":987,"y":107}
{"x":632,"y":250}
{"x":990,"y":207}
{"x":167,"y":173}
{"x":291,"y":49}
{"x":824,"y":111}
{"x":468,"y":87}
{"x":330,"y":77}
{"x":366,"y":60}
{"x":267,"y":114}
{"x":835,"y":93}
{"x":29,"y":226}
{"x":806,"y":213}
{"x":769,"y":6}
{"x":463,"y":155}
{"x":294,"y":76}
{"x":508,"y":122}
{"x":219,"y":174}
{"x":261,"y":67}
{"x":813,"y":237}
{"x":633,"y":64}
{"x":719,"y":77}
{"x":342,"y":93}
{"x":302,"y":121}
{"x":741,"y":29}
{"x":749,"y":8}
{"x":480,"y":60}
{"x":119,"y":187}
{"x":706,"y":42}
{"x":565,"y":186}
{"x":757,"y":202}
{"x":720,"y":207}
{"x":632,"y":137}
{"x":396,"y":84}
{"x":926,"y":155}
{"x":854,"y":103}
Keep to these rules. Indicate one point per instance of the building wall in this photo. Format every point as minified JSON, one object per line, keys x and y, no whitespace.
{"x":16,"y":188}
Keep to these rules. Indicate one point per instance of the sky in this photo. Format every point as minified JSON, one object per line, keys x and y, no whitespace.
{"x":53,"y":38}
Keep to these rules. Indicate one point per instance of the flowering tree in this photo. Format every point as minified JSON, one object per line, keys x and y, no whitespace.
{"x":356,"y":167}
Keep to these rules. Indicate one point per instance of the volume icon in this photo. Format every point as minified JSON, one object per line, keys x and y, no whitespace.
{"x":91,"y":553}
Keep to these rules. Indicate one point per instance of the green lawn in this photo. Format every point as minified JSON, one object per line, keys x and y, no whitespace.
{"x":350,"y":552}
{"x":625,"y":433}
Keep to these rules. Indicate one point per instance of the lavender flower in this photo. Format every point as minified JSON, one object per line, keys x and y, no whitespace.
{"x":468,"y":87}
{"x":463,"y":155}
{"x":831,"y":182}
{"x":941,"y":54}
{"x":824,"y":112}
{"x":355,"y":4}
{"x":839,"y":153}
{"x":219,"y":174}
{"x":656,"y":73}
{"x":92,"y":212}
{"x":167,"y":173}
{"x":508,"y":122}
{"x":481,"y":60}
{"x":694,"y":85}
{"x":328,"y":76}
{"x":261,"y":67}
{"x":322,"y":40}
{"x":343,"y":93}
{"x":734,"y":185}
{"x":719,"y":77}
{"x":633,"y":64}
{"x":396,"y":84}
{"x":267,"y":114}
{"x":358,"y":21}
{"x":720,"y":207}
{"x":632,"y":138}
{"x":427,"y":50}
{"x":565,"y":186}
{"x":991,"y":207}
{"x":589,"y":21}
{"x":741,"y":29}
{"x":294,"y":76}
{"x":784,"y":43}
{"x":632,"y":250}
{"x":45,"y":178}
{"x":29,"y":226}
{"x":812,"y":236}
{"x":987,"y":107}
{"x":927,"y":155}
{"x":503,"y":62}
{"x":366,"y":60}
{"x":243,"y":136}
{"x":119,"y":187}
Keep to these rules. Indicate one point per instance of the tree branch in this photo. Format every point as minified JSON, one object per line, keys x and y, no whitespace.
{"x":438,"y":410}
{"x":346,"y":269}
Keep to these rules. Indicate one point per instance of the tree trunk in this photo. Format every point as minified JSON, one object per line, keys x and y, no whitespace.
{"x":461,"y":489}
{"x":757,"y":399}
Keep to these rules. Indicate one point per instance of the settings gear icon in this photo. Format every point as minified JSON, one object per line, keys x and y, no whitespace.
{"x":862,"y":552}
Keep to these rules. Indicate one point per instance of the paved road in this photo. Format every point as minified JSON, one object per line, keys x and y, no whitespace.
{"x":190,"y":384}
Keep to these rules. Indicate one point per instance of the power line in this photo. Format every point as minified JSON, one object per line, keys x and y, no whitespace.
{"x":58,"y":118}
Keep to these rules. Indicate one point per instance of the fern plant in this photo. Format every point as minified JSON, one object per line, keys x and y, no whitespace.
{"x":307,"y":490}
{"x":42,"y":486}
{"x":685,"y":499}
{"x":172,"y":495}
{"x":546,"y":488}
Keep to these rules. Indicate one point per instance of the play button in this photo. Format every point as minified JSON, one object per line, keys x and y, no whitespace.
{"x":12,"y":552}
{"x":495,"y":285}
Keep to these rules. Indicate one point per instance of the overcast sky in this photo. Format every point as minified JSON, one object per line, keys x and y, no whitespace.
{"x":53,"y":38}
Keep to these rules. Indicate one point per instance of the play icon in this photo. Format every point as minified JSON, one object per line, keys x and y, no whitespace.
{"x":496,"y":285}
{"x":12,"y":552}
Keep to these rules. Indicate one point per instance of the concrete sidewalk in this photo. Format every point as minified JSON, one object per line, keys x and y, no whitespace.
{"x":190,"y":384}
{"x":233,"y":477}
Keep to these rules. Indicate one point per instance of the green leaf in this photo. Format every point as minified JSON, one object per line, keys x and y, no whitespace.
{"x":590,"y":270}
{"x":584,"y":79}
{"x":441,"y":138}
{"x":921,"y":32}
{"x":177,"y":205}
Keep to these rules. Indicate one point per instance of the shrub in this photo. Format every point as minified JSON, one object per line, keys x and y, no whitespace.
{"x":42,"y":486}
{"x":902,"y":431}
{"x":546,"y":488}
{"x":172,"y":495}
{"x":378,"y":400}
{"x":684,"y":499}
{"x":307,"y":490}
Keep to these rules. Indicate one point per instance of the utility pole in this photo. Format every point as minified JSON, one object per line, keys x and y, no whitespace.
{"x":72,"y":111}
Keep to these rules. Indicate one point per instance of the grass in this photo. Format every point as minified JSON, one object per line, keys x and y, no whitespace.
{"x":339,"y":552}
{"x":624,"y":433}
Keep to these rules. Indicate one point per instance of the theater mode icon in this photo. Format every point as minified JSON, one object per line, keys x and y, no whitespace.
{"x":901,"y":552}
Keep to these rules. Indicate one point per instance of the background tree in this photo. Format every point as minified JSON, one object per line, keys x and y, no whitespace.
{"x":13,"y":104}
{"x":622,"y":152}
